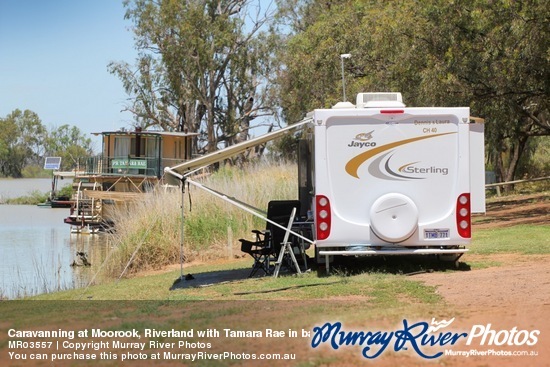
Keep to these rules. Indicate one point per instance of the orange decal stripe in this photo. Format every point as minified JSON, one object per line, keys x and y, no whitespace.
{"x":400,"y":169}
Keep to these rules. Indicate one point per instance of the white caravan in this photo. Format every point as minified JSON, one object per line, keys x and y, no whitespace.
{"x":392,"y":180}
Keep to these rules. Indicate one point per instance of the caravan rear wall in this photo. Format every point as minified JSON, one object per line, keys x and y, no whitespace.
{"x":394,"y":180}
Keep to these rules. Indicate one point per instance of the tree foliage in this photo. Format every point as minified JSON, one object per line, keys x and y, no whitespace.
{"x":68,"y":143}
{"x":25,"y":141}
{"x":21,"y":136}
{"x":204,"y":66}
{"x":489,"y":55}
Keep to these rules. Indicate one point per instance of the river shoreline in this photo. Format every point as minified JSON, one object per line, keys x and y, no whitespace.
{"x":37,"y":247}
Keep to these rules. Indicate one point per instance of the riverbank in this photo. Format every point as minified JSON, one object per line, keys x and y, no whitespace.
{"x":518,"y":224}
{"x":377,"y":296}
{"x":359,"y":281}
{"x":507,"y":228}
{"x":33,"y":198}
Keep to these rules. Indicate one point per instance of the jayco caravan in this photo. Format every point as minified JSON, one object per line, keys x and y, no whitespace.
{"x":386,"y":179}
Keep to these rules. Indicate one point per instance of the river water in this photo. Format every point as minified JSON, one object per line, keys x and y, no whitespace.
{"x":12,"y":188}
{"x":37,"y":248}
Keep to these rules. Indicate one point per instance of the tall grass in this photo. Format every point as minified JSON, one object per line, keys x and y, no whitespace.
{"x":148,"y":231}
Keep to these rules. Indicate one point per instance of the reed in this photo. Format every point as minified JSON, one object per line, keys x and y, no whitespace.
{"x":46,"y":278}
{"x":148,"y":231}
{"x":33,"y":198}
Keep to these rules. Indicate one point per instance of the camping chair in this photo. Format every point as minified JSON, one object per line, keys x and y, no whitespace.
{"x":267,"y":244}
{"x":287,"y":252}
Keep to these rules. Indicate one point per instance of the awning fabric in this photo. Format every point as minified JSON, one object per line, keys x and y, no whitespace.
{"x":220,"y":155}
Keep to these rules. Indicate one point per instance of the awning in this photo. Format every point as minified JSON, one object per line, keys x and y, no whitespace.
{"x":230,"y":151}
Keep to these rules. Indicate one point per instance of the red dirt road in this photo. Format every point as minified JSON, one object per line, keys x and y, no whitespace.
{"x":514,"y":294}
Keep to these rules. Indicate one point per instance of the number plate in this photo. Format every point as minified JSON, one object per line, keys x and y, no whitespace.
{"x":434,"y":234}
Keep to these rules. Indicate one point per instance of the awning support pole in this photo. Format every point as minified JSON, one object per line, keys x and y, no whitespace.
{"x":182,"y":180}
{"x":227,"y":199}
{"x":182,"y":227}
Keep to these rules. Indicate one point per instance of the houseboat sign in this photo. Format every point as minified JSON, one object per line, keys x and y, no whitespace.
{"x":129,"y":163}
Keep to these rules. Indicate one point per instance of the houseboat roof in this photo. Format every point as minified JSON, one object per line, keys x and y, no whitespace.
{"x":145,"y":132}
{"x":64,"y":174}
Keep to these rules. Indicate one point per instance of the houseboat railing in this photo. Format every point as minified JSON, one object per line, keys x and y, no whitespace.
{"x":122,"y":165}
{"x":126,"y":165}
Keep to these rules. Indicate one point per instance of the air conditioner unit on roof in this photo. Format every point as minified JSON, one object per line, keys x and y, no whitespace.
{"x":370,"y":100}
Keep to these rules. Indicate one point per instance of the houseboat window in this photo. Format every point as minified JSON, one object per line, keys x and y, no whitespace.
{"x":177,"y":149}
{"x":122,"y":146}
{"x":188,"y":145}
{"x":147,"y":147}
{"x":151,"y":147}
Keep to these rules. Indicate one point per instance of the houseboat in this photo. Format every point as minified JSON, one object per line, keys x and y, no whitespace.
{"x":131,"y":163}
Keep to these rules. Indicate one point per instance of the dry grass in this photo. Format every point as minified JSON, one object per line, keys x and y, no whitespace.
{"x":148,"y":231}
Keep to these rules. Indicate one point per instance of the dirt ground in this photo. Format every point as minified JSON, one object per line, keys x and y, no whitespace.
{"x":515,"y":210}
{"x":518,"y":280}
{"x":515,"y":293}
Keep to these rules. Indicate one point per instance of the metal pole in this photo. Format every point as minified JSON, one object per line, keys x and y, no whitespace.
{"x":342,"y":57}
{"x":343,"y":81}
{"x":182,"y":228}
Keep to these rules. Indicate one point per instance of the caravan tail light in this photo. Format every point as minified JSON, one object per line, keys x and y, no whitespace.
{"x":322,"y":217}
{"x":463,"y":218}
{"x":391,"y":112}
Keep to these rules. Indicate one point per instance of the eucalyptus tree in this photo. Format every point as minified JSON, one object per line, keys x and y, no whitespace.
{"x":69,"y":143}
{"x":21,"y":142}
{"x":491,"y":56}
{"x":320,"y":31}
{"x":203,"y":66}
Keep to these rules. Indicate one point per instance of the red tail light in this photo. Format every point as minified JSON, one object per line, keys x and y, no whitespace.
{"x":389,"y":112}
{"x":322,"y":217}
{"x":463,"y":218}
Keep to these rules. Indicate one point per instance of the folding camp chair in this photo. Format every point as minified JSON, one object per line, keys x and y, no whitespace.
{"x":267,"y":244}
{"x":260,"y":250}
{"x":286,"y":252}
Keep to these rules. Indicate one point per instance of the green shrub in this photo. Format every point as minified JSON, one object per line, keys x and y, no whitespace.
{"x":34,"y":198}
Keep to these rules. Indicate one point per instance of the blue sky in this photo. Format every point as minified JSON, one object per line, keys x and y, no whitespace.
{"x":53,"y":61}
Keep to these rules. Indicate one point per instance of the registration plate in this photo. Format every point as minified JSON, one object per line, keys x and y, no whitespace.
{"x":435,"y":234}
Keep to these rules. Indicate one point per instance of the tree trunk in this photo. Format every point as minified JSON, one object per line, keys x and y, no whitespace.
{"x":507,"y":170}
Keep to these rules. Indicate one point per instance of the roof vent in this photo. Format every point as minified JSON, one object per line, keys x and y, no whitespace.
{"x":342,"y":105}
{"x":377,"y":100}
